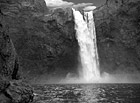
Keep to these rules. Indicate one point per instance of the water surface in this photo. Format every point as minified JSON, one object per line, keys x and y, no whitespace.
{"x":87,"y":93}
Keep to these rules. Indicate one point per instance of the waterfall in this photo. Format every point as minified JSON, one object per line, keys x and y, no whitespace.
{"x":86,"y":36}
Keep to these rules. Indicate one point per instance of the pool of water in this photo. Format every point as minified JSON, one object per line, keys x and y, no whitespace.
{"x":87,"y":93}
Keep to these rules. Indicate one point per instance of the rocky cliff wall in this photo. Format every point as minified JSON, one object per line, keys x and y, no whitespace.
{"x":46,"y":43}
{"x":118,"y":34}
{"x":44,"y":40}
{"x":12,"y":88}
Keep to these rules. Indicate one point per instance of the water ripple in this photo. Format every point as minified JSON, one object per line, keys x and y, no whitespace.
{"x":90,"y":93}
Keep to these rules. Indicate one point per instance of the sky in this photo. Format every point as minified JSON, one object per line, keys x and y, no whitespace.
{"x":95,"y":2}
{"x":74,"y":3}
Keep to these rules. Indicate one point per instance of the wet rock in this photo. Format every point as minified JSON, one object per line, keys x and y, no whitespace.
{"x":19,"y":92}
{"x":11,"y":90}
{"x":15,"y":92}
{"x":45,"y":41}
{"x":117,"y":27}
{"x":4,"y":99}
{"x":9,"y":60}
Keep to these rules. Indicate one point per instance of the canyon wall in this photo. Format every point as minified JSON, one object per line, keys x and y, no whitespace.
{"x":118,"y":34}
{"x":46,"y":43}
{"x":44,"y":39}
{"x":12,"y":87}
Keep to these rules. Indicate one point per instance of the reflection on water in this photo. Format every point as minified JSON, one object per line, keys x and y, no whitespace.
{"x":88,"y":93}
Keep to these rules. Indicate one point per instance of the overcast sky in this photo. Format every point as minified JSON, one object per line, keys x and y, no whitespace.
{"x":95,"y":2}
{"x":74,"y":3}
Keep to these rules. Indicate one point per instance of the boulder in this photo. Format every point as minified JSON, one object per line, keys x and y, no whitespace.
{"x":11,"y":90}
{"x":19,"y":92}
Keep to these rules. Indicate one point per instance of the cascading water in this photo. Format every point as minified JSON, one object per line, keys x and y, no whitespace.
{"x":86,"y":36}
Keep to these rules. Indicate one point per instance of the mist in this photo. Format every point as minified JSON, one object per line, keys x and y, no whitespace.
{"x":105,"y":78}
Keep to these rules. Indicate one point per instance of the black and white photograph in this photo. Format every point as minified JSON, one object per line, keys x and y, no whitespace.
{"x":69,"y":51}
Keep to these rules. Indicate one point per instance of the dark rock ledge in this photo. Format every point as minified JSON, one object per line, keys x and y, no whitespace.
{"x":12,"y":88}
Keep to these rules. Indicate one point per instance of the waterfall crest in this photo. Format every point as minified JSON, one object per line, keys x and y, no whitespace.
{"x":86,"y":36}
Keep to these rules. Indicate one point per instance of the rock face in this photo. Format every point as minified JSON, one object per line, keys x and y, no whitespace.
{"x":118,"y":34}
{"x":46,"y":43}
{"x":8,"y":58}
{"x":44,"y":40}
{"x":12,"y":89}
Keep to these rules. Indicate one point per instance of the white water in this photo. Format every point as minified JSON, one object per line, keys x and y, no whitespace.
{"x":86,"y":36}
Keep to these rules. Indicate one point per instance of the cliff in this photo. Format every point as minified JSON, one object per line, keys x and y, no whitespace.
{"x":118,"y":33}
{"x":44,"y":40}
{"x":46,"y":44}
{"x":12,"y":88}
